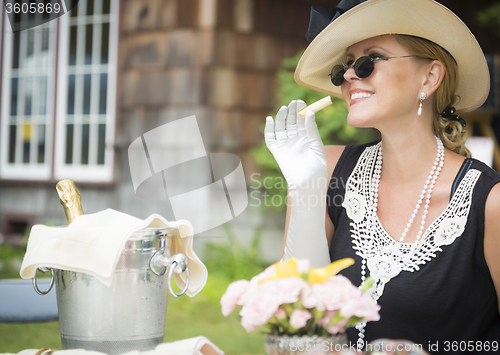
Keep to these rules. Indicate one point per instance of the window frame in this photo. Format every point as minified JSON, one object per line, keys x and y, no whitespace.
{"x":21,"y":171}
{"x":54,"y":167}
{"x":90,"y":173}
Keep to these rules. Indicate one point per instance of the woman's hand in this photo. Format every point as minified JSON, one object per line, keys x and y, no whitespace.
{"x":297,"y":147}
{"x":298,"y":150}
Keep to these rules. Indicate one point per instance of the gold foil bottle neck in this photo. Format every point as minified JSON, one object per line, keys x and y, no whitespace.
{"x":70,"y":199}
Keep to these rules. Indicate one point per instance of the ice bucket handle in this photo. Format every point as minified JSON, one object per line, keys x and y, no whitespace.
{"x":177,"y":263}
{"x":35,"y":285}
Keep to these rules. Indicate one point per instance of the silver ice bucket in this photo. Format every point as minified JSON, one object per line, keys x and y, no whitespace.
{"x":129,"y":315}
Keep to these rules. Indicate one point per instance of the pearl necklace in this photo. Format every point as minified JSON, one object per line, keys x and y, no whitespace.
{"x":426,"y":193}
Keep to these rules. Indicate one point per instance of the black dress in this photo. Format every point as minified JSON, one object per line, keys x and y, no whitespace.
{"x":448,"y":298}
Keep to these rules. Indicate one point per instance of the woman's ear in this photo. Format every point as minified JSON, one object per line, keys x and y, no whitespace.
{"x":434,"y":77}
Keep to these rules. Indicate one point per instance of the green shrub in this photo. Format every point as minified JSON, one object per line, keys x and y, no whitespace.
{"x":490,"y":17}
{"x":10,"y":261}
{"x":233,"y":260}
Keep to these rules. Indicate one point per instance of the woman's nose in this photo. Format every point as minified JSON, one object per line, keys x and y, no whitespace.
{"x":350,"y":75}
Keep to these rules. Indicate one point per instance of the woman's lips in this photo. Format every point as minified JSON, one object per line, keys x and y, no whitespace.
{"x":359,"y":95}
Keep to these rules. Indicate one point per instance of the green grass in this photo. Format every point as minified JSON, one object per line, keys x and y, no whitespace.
{"x":186,"y":317}
{"x":17,"y":337}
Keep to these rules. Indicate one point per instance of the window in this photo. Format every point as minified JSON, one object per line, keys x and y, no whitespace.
{"x":66,"y":132}
{"x":27,"y":111}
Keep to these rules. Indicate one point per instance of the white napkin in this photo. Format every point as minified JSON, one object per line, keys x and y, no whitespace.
{"x":196,"y":346}
{"x":58,"y":352}
{"x":93,"y":243}
{"x":191,"y":346}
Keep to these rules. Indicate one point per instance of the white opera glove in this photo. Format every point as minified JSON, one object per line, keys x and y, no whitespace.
{"x":300,"y":154}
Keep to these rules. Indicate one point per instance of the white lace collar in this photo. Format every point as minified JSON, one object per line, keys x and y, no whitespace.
{"x":385,"y":257}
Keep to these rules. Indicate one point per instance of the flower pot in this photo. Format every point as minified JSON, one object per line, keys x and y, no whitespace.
{"x":317,"y":345}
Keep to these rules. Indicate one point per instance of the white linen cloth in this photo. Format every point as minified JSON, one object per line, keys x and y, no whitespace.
{"x":191,"y":346}
{"x":93,"y":243}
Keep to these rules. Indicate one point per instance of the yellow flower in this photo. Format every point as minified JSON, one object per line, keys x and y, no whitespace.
{"x":322,"y":274}
{"x":283,"y":269}
{"x":287,"y":268}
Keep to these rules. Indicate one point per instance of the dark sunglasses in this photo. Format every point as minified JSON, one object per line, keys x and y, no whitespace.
{"x":363,"y":68}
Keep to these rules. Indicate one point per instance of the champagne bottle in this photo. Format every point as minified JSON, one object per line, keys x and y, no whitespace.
{"x":70,"y":199}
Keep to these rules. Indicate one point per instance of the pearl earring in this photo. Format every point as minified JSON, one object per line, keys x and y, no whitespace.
{"x":422,"y":97}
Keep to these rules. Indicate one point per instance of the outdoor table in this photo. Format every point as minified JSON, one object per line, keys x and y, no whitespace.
{"x":191,"y":346}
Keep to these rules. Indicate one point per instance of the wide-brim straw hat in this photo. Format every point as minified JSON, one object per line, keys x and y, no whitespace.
{"x":422,"y":18}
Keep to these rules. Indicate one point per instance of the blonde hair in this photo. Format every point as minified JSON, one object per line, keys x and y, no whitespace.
{"x":451,"y":132}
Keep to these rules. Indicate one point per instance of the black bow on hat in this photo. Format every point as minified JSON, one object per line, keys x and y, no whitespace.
{"x":322,"y":17}
{"x":448,"y":113}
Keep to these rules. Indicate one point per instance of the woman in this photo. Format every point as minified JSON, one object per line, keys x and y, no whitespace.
{"x":418,"y":214}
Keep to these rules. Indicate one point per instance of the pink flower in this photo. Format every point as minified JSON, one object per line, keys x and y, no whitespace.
{"x":262,"y":300}
{"x":338,"y":327}
{"x":334,"y":328}
{"x":280,"y":314}
{"x":258,"y":310}
{"x":287,"y":290}
{"x":363,"y":306}
{"x":263,"y":297}
{"x":330,"y":295}
{"x":233,"y":293}
{"x":299,"y":318}
{"x":251,"y":292}
{"x":308,"y":298}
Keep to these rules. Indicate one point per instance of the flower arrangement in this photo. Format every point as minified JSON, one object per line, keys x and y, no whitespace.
{"x":290,"y":298}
